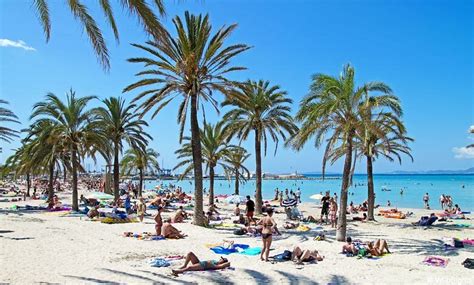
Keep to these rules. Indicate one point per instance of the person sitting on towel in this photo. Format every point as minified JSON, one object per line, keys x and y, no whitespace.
{"x":168,"y":231}
{"x":378,"y":248}
{"x":192,"y":263}
{"x":180,"y":215}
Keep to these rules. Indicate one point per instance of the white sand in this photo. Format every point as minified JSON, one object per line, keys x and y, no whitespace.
{"x":44,"y":247}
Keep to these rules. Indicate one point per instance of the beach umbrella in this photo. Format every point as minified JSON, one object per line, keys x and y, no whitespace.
{"x":289,"y":203}
{"x":316,"y":197}
{"x":234,"y":199}
{"x":99,"y":196}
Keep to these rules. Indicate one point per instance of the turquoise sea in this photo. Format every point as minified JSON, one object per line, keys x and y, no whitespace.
{"x":414,"y":187}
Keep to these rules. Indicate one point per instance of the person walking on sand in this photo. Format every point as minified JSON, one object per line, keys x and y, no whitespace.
{"x":268,"y":224}
{"x":426,"y":200}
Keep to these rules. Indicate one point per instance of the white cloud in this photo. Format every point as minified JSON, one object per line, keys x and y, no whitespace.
{"x":16,"y":44}
{"x":463,"y":152}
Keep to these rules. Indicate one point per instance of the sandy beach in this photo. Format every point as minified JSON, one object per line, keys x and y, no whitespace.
{"x":48,"y":247}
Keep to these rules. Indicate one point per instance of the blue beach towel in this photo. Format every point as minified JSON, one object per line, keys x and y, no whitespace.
{"x":159,"y":262}
{"x":252,"y":251}
{"x":233,"y":249}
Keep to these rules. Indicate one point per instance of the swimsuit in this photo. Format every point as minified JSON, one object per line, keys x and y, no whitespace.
{"x":208,"y":264}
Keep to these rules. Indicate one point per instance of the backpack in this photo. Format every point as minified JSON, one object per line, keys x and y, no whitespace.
{"x":468,"y":263}
{"x":286,"y":255}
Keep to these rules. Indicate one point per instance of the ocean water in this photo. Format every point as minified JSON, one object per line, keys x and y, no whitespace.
{"x":414,"y":187}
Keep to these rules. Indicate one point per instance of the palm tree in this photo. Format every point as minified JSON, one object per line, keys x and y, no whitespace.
{"x":6,"y":134}
{"x":192,"y":66}
{"x":332,"y":106}
{"x":236,"y":160}
{"x":72,"y":125}
{"x":265,"y":111}
{"x":120,"y":122}
{"x":215,"y":147}
{"x":381,"y":133}
{"x":135,"y":159}
{"x":140,"y":8}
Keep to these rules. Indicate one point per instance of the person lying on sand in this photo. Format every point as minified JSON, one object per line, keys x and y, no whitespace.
{"x":180,"y":215}
{"x":290,"y":225}
{"x":192,"y":263}
{"x":426,"y":221}
{"x":360,"y":219}
{"x":378,"y":248}
{"x":168,"y":231}
{"x":299,"y":256}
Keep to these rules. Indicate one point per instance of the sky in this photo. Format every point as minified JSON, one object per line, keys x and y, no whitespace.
{"x":422,"y":49}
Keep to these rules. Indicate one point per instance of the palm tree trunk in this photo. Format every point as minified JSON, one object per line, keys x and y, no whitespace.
{"x":342,"y":221}
{"x":50,"y":184}
{"x":140,"y":183}
{"x":116,"y":171}
{"x":28,"y":184}
{"x":65,"y":175}
{"x":370,"y":189}
{"x":197,"y":163}
{"x":258,"y":164}
{"x":236,"y":181}
{"x":211,"y":185}
{"x":75,"y":204}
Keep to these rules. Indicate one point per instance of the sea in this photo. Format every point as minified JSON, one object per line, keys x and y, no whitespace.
{"x":387,"y":188}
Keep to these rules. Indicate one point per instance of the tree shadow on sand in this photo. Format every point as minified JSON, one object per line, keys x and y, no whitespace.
{"x":295,"y":279}
{"x":338,"y":279}
{"x":94,"y":280}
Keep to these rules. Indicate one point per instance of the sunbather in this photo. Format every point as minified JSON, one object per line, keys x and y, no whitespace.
{"x":180,"y":215}
{"x":360,"y":219}
{"x":192,"y":263}
{"x":141,"y":209}
{"x":349,"y":247}
{"x":158,"y":221}
{"x":378,"y":248}
{"x":299,"y":256}
{"x":426,"y":221}
{"x":168,"y":231}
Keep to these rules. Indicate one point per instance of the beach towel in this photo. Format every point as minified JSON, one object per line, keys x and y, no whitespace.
{"x":463,"y":225}
{"x":303,"y":228}
{"x":468,"y":241}
{"x":159,"y":262}
{"x":436,"y":261}
{"x":232,"y":249}
{"x":252,"y":251}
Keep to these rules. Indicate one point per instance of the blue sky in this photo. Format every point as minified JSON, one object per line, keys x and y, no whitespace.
{"x":422,"y":49}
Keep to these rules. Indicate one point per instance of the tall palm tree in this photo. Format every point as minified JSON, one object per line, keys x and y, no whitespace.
{"x":6,"y":115}
{"x":72,"y":121}
{"x":215,"y":147}
{"x":191,"y":66}
{"x":141,"y":8}
{"x":121,"y":124}
{"x":135,"y":159}
{"x":265,"y":111}
{"x":381,"y":133}
{"x":236,"y":160}
{"x":332,"y":106}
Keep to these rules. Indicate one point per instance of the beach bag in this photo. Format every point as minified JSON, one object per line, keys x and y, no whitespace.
{"x":468,"y":263}
{"x":362,"y":252}
{"x":286,"y":255}
{"x":458,"y":243}
{"x":239,"y":232}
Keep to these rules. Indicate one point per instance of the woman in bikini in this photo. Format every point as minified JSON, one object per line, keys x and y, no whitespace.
{"x":299,"y":256}
{"x":269,"y":225}
{"x":192,"y":263}
{"x":333,"y":212}
{"x":158,"y":221}
{"x":378,"y":248}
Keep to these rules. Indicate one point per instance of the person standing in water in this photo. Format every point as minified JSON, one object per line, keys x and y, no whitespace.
{"x":426,"y":200}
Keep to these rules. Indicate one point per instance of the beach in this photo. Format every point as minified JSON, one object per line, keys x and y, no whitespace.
{"x":48,"y":247}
